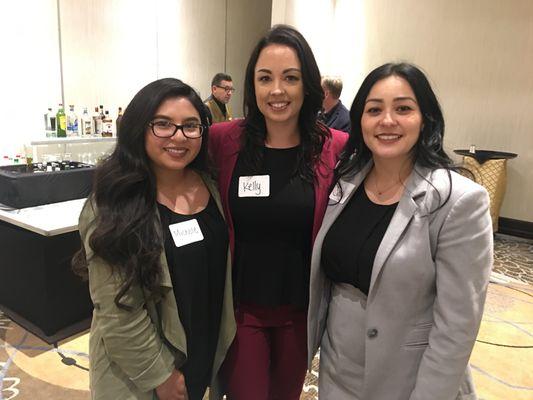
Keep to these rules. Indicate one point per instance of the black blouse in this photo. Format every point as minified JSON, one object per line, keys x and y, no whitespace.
{"x":273,"y":234}
{"x":198,"y":273}
{"x":351,"y":244}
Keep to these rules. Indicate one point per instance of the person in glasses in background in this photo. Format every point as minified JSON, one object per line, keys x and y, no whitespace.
{"x":221,"y":92}
{"x":155,"y":249}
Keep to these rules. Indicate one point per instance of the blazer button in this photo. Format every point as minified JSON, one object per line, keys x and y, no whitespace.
{"x":372,"y":333}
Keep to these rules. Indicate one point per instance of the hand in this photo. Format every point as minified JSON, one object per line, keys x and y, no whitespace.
{"x":173,"y":388}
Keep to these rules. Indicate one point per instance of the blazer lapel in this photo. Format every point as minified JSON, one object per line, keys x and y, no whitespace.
{"x":340,"y":196}
{"x":415,"y":190}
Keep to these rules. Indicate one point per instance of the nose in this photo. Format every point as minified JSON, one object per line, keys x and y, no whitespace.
{"x":277,"y":87}
{"x":179,"y":136}
{"x":388,"y":119}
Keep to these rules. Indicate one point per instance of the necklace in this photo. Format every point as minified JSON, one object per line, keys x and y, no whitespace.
{"x":383,"y":191}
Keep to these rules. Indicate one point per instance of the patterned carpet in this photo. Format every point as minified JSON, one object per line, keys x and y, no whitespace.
{"x":502,"y":359}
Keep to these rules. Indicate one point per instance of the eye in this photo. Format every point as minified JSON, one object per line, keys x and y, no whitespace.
{"x":292,"y":78}
{"x":162,"y":124}
{"x":190,"y":127}
{"x":373,"y":110}
{"x":404,"y":109}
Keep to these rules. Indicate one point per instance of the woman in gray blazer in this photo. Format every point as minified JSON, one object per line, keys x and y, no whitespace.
{"x":401,"y":265}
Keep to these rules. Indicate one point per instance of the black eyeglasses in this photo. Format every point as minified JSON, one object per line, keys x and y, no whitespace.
{"x":226,"y":88}
{"x":166,"y":129}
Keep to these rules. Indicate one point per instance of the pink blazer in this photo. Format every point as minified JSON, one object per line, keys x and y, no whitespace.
{"x":224,"y":147}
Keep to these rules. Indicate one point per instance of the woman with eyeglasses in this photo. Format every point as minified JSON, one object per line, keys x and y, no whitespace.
{"x":275,"y":170}
{"x":155,"y":246}
{"x":401,"y":264}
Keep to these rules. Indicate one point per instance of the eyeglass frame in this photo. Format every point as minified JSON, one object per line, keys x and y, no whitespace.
{"x":176,"y":128}
{"x":227,"y":89}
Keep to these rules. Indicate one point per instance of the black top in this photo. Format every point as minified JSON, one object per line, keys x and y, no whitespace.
{"x":350,"y":246}
{"x":273,"y":234}
{"x":198,"y":273}
{"x":222,"y":106}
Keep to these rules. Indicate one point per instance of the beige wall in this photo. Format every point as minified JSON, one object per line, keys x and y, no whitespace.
{"x":247,"y":20}
{"x":111,"y":48}
{"x":477,"y":53}
{"x":29,"y":73}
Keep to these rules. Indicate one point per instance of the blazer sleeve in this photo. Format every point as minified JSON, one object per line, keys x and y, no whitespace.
{"x":463,"y":261}
{"x":129,"y":337}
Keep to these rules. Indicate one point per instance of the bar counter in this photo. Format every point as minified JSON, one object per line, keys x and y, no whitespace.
{"x":38,"y":289}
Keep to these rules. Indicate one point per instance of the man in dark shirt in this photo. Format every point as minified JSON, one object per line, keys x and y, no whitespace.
{"x":221,"y":91}
{"x":334,"y":114}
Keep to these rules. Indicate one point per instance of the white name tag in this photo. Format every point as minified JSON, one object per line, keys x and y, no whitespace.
{"x":254,"y":186}
{"x":341,"y":191}
{"x":186,"y":232}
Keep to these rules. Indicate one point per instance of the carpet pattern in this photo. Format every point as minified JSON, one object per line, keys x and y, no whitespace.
{"x":502,"y":360}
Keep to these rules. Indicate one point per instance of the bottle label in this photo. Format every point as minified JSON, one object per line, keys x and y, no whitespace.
{"x":87,"y":131}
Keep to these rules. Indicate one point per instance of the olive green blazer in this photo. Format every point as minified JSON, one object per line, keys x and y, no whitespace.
{"x":133,"y":352}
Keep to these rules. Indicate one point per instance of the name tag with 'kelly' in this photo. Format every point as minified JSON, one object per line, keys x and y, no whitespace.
{"x":254,"y":186}
{"x":186,"y":232}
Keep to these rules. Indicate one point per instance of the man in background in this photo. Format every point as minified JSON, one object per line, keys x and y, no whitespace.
{"x":221,"y":91}
{"x":334,"y":114}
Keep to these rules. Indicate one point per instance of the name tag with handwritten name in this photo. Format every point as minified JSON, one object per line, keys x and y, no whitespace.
{"x":254,"y":186}
{"x":186,"y":232}
{"x":341,"y":191}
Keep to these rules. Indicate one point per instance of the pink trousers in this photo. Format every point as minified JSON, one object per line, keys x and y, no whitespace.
{"x":267,"y":360}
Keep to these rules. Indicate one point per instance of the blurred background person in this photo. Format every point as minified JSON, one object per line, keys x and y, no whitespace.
{"x":221,"y":91}
{"x":333,"y":112}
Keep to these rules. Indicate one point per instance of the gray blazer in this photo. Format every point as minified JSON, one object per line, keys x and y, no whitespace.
{"x":427,"y":290}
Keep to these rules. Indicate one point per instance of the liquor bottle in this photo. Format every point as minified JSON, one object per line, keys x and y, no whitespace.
{"x":72,"y":122}
{"x":86,"y":123}
{"x":50,"y":123}
{"x":107,"y":123}
{"x":61,"y":121}
{"x":102,"y":117}
{"x":97,"y":122}
{"x":119,"y":118}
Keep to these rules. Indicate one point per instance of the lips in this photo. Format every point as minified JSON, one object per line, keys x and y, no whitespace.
{"x":176,"y":152}
{"x":388,"y":136}
{"x":278,"y":105}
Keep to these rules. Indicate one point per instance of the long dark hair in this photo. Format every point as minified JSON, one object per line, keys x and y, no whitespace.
{"x":126,"y":229}
{"x":312,"y":133}
{"x":428,"y":150}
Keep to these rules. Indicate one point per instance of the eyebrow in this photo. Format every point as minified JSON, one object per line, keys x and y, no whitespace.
{"x":395,"y":99}
{"x":284,"y":71}
{"x":188,"y":119}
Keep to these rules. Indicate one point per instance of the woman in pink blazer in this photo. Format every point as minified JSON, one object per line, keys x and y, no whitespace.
{"x":275,"y":169}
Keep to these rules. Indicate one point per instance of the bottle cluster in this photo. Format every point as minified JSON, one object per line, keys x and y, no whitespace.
{"x":50,"y":166}
{"x":17,"y":159}
{"x":70,"y":124}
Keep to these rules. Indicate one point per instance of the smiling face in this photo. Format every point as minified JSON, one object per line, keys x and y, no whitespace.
{"x":279,"y":89}
{"x":391,"y":120}
{"x":176,"y":152}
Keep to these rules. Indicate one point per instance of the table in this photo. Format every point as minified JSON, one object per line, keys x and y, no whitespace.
{"x":38,"y":289}
{"x":489,"y":169}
